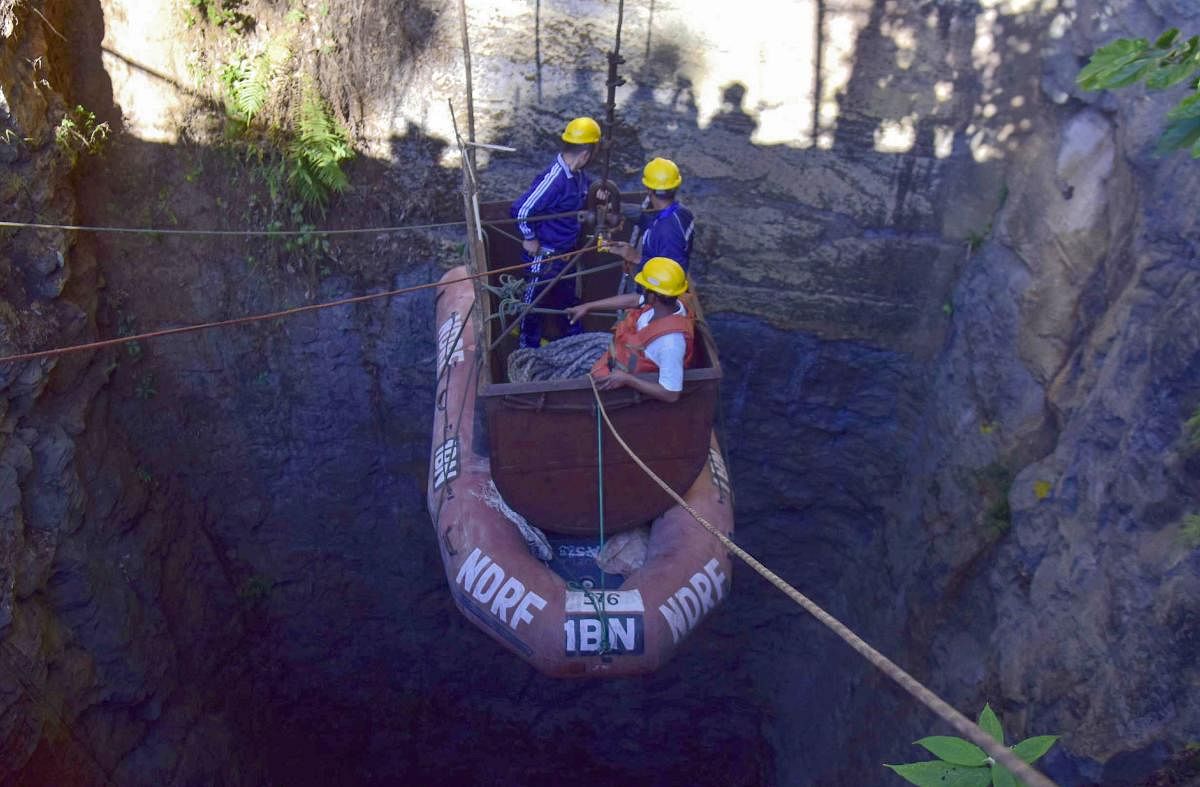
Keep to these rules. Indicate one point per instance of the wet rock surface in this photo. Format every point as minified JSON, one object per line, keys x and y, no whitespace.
{"x":960,"y":344}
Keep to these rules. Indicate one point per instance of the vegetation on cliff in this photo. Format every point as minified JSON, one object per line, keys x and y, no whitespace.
{"x":1167,"y":62}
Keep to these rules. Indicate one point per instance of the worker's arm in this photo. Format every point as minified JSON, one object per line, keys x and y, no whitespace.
{"x":618,"y":379}
{"x":536,"y":201}
{"x":626,"y":251}
{"x":629,"y":300}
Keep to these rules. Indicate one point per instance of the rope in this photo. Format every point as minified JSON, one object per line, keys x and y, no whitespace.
{"x":564,"y":358}
{"x":574,"y":255}
{"x":236,"y":233}
{"x":959,"y":722}
{"x":443,"y":371}
{"x":47,"y":21}
{"x":249,"y":319}
{"x":511,"y":290}
{"x":515,"y":238}
{"x":275,"y":233}
{"x":509,"y":307}
{"x":535,"y":540}
{"x":604,"y":644}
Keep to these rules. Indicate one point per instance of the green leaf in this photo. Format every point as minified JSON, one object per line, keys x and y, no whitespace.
{"x":942,"y":774}
{"x":1167,"y":38}
{"x":1120,"y":49}
{"x":1166,"y":76}
{"x":1127,"y":74}
{"x":1187,"y":108}
{"x":954,"y":750}
{"x":1001,"y":777}
{"x":249,"y":96}
{"x":991,"y":724}
{"x":1109,"y":61}
{"x":1031,"y":749}
{"x":1180,"y":134}
{"x":1192,"y":50}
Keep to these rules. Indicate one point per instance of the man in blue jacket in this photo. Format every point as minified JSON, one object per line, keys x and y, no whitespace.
{"x":665,"y":226}
{"x":561,"y":188}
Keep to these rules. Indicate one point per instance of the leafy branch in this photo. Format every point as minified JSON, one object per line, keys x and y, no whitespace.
{"x":1168,"y":61}
{"x":962,"y":763}
{"x":78,"y":132}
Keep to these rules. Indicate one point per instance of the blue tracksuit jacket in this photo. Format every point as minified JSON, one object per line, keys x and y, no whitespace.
{"x":556,"y":190}
{"x":668,"y":233}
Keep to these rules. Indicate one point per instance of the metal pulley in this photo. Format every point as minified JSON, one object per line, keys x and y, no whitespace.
{"x":599,"y":215}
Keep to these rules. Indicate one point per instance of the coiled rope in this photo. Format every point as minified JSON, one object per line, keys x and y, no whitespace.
{"x":926,"y":697}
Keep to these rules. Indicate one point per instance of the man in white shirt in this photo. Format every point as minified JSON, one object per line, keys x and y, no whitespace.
{"x":656,"y":336}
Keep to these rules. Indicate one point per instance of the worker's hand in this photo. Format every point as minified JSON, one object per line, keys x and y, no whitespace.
{"x":623,"y":250}
{"x":533,"y":246}
{"x":615,"y":379}
{"x":576,"y":313}
{"x":602,"y":195}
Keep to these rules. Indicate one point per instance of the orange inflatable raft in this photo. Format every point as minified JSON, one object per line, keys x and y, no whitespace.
{"x":560,"y":611}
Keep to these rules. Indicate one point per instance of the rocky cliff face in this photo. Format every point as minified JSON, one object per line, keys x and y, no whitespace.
{"x":107,"y":662}
{"x":1072,"y":366}
{"x":954,"y":298}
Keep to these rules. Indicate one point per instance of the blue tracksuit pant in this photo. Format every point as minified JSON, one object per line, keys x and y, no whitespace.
{"x":562,"y":296}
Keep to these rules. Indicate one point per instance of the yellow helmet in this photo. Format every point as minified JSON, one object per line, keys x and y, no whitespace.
{"x":661,"y":174}
{"x":582,"y":131}
{"x":664,"y":276}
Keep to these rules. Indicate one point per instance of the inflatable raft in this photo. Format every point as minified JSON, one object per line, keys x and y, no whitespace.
{"x":529,"y":452}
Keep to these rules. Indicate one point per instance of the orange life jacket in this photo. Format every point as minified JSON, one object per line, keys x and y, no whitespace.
{"x":625,"y":351}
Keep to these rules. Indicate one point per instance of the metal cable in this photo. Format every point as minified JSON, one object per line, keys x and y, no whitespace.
{"x":233,"y":233}
{"x":274,"y":233}
{"x":249,"y":319}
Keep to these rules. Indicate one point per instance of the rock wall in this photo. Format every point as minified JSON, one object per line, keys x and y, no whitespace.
{"x":108,"y":667}
{"x":953,"y":296}
{"x":1072,"y":367}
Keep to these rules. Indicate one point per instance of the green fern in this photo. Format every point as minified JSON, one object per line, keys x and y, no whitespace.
{"x":250,"y":93}
{"x":260,"y":97}
{"x":1192,"y":427}
{"x":317,"y":152}
{"x":1189,"y":531}
{"x":247,"y":86}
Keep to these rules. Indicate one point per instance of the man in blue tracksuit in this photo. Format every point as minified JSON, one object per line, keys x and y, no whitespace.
{"x":561,"y":188}
{"x":665,"y":226}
